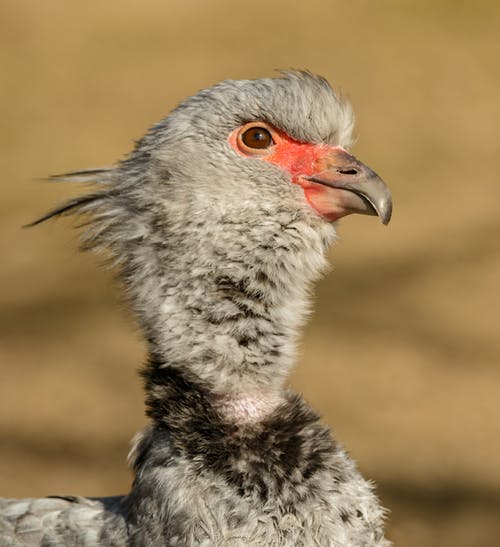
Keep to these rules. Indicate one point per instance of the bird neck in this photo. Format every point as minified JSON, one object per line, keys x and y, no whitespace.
{"x":225,"y":307}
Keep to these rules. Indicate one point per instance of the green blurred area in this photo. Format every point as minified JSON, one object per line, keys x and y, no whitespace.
{"x":402,"y":354}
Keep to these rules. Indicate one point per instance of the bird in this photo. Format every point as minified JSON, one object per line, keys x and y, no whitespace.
{"x":218,"y":222}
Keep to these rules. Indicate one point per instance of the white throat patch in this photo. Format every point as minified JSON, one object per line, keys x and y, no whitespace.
{"x":249,"y":407}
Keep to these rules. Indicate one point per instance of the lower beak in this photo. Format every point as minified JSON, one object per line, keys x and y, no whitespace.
{"x":358,"y":188}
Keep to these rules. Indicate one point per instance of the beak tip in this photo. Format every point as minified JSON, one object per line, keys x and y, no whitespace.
{"x":385,"y":216}
{"x":383,"y":206}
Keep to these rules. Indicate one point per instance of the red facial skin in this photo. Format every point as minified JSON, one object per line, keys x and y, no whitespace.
{"x":300,"y":160}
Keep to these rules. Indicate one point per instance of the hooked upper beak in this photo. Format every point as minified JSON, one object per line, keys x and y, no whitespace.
{"x":361,"y":190}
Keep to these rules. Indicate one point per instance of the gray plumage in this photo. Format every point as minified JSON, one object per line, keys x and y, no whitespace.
{"x":218,"y":252}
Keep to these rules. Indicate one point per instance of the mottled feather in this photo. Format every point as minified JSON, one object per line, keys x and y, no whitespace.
{"x":217,"y":254}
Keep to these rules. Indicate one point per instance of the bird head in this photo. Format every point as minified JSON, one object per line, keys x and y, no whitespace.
{"x":240,"y":150}
{"x":254,"y":147}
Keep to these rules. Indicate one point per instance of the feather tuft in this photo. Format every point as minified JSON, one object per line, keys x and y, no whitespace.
{"x":81,"y":204}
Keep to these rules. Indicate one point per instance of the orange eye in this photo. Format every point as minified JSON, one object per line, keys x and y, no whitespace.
{"x":257,"y":138}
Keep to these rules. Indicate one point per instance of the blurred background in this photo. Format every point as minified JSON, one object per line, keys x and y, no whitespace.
{"x":402,"y":354}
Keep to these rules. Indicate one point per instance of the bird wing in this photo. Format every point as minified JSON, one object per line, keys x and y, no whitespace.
{"x":57,"y":521}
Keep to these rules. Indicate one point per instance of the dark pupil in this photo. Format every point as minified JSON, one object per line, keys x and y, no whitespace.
{"x":257,"y":138}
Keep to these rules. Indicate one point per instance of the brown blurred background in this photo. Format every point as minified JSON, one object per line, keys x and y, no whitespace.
{"x":402,"y":354}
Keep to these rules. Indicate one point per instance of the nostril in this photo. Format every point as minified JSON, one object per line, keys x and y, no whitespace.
{"x":351,"y":171}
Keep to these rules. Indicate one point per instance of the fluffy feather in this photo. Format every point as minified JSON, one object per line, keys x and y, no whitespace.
{"x":218,"y":254}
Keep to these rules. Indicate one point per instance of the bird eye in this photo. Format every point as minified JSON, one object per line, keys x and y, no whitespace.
{"x":257,"y":138}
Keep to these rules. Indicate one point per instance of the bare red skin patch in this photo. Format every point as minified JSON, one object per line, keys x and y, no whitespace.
{"x":301,"y":160}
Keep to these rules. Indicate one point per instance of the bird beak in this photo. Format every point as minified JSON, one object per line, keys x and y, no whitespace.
{"x":355,"y":187}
